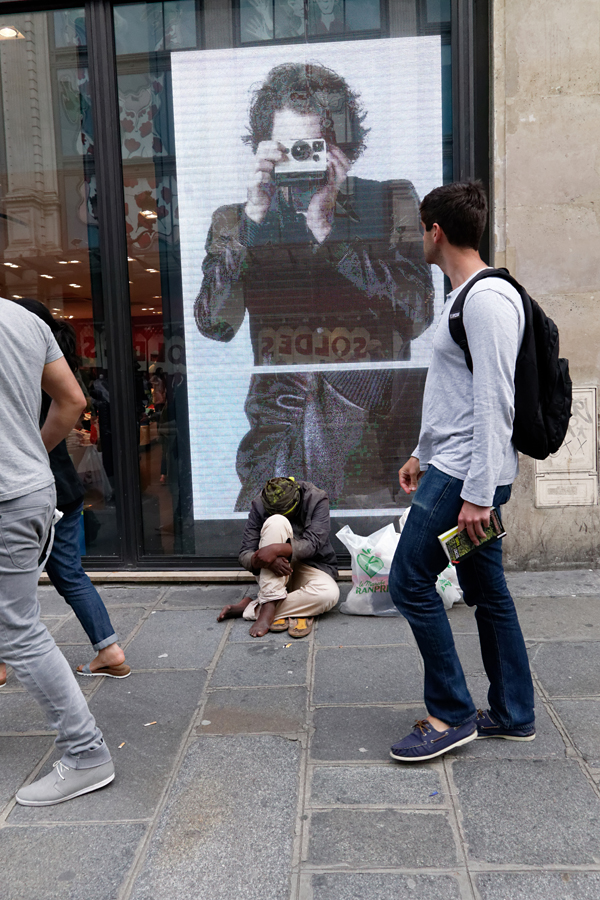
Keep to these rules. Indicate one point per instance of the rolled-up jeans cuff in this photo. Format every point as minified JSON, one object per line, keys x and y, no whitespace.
{"x":112,"y":639}
{"x":88,"y":759}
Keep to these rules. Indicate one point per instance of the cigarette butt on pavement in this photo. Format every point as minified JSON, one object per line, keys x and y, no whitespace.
{"x":149,"y":723}
{"x":121,"y":745}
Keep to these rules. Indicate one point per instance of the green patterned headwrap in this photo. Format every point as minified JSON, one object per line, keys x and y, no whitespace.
{"x":280,"y":495}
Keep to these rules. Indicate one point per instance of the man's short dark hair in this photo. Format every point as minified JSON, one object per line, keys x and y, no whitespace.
{"x":308,"y":88}
{"x":460,"y":209}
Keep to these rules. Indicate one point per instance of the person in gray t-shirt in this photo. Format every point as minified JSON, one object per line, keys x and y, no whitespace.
{"x":29,"y":361}
{"x":464,"y":464}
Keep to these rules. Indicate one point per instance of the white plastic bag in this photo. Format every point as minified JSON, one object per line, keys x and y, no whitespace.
{"x":371,"y":560}
{"x":92,"y":474}
{"x":447,"y":584}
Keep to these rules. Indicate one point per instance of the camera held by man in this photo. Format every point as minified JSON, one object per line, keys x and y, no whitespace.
{"x":305,"y":162}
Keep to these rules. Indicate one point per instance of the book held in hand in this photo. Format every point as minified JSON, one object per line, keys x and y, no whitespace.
{"x":457,"y":545}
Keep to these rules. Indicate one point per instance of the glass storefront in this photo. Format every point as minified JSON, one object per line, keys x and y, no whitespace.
{"x":49,"y":226}
{"x":273,"y":155}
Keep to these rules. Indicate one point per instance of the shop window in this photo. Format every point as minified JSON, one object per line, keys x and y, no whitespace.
{"x":282,"y":311}
{"x":268,"y":20}
{"x":49,"y":227}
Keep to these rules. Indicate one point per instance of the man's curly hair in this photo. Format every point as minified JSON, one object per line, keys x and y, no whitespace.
{"x":308,"y":88}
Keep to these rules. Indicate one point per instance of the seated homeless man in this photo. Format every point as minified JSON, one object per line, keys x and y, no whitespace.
{"x":464,"y":464}
{"x":286,"y":546}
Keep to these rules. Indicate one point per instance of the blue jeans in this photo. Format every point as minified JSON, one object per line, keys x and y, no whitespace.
{"x":68,"y":577}
{"x":418,"y":561}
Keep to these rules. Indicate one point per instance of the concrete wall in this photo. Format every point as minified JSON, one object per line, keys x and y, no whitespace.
{"x":546,"y":157}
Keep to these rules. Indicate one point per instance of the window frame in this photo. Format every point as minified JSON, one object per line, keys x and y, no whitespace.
{"x":471,"y":82}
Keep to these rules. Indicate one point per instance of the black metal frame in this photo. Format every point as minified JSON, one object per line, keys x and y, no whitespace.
{"x":471,"y":159}
{"x":115,"y":274}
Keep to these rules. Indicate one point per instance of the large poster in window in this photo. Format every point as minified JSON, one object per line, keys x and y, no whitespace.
{"x":308,"y":304}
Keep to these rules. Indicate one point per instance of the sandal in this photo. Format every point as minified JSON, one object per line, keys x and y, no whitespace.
{"x":121,"y":671}
{"x":300,"y":628}
{"x":279,"y":625}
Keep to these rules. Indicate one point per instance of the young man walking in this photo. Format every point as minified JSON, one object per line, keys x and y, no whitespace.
{"x":464,"y":464}
{"x":30,"y":360}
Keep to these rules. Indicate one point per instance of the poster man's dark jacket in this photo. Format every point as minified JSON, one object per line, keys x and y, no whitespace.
{"x":311,"y":526}
{"x":361,"y":296}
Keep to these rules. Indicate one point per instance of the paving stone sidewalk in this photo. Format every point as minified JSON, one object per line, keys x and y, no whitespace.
{"x":266,"y":775}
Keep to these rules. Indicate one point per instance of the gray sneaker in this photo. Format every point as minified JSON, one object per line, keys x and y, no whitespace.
{"x":64,"y":783}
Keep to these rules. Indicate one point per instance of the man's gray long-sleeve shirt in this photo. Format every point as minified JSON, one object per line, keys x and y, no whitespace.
{"x":467,"y":421}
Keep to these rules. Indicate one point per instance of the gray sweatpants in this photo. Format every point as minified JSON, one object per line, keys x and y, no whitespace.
{"x":25,"y":642}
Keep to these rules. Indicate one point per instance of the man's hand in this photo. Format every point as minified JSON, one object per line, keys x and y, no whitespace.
{"x":261,"y":186}
{"x":475,"y":519}
{"x":274,"y":557}
{"x":409,"y":475}
{"x":319,"y":216}
{"x":281,"y":566}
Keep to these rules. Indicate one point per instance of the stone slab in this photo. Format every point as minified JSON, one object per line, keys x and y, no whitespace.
{"x":266,"y":663}
{"x":335,"y":629}
{"x":123,"y":622}
{"x":122,"y":708}
{"x":581,"y":718}
{"x":53,"y":623}
{"x":469,"y":653}
{"x":138,"y":595}
{"x":82,"y":862}
{"x":20,"y":712}
{"x":543,"y":618}
{"x":528,"y":812}
{"x":462,"y":619}
{"x":18,"y":757}
{"x":51,"y":603}
{"x":188,"y":637}
{"x":365,"y":674}
{"x":554,"y":584}
{"x":548,"y":742}
{"x":372,"y":838}
{"x":196,"y":596}
{"x":238,"y":711}
{"x":569,"y":668}
{"x":360,"y":732}
{"x":385,"y":786}
{"x":539,"y":886}
{"x":206,"y":842}
{"x":560,"y":618}
{"x":364,"y":886}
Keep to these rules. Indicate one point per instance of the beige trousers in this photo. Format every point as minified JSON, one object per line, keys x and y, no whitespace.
{"x":306,"y":592}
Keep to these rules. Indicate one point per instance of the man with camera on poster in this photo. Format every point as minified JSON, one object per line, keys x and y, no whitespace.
{"x":331,"y":270}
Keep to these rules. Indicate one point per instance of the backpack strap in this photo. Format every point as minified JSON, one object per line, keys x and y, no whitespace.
{"x":455,"y":319}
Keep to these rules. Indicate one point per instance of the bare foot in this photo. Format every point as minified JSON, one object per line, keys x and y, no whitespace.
{"x":2,"y":674}
{"x":108,"y":656}
{"x":266,"y":617}
{"x":234,"y":610}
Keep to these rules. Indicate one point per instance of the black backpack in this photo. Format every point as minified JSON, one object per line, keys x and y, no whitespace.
{"x":543,"y":387}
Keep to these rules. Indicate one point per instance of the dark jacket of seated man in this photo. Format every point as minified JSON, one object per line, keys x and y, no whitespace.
{"x":311,"y":526}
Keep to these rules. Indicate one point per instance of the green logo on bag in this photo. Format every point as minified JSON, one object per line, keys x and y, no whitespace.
{"x":369,"y":563}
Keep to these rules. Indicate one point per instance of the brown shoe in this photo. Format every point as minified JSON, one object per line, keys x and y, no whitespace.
{"x":300,"y":628}
{"x":279,"y":625}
